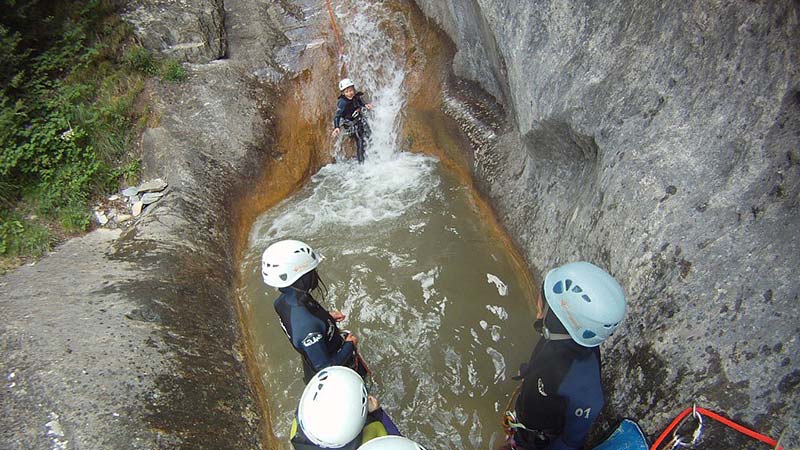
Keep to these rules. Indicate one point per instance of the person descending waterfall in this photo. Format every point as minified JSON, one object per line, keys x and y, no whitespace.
{"x":561,"y":393}
{"x":350,"y":116}
{"x":335,"y":411}
{"x":291,"y":266}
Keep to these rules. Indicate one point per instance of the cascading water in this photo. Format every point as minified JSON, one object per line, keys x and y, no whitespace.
{"x":406,"y":258}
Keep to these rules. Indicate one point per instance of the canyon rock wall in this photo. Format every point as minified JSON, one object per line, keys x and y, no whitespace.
{"x":662,"y":142}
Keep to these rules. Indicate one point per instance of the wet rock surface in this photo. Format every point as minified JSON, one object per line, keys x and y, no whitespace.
{"x":76,"y":372}
{"x":659,"y":140}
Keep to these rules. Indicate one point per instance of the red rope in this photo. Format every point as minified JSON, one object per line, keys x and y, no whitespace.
{"x":335,"y":29}
{"x":708,"y":413}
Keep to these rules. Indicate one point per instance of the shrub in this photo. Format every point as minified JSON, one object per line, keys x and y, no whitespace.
{"x":138,"y":58}
{"x":70,"y":76}
{"x":173,"y":71}
{"x":18,"y":237}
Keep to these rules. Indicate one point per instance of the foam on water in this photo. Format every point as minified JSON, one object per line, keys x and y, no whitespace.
{"x":405,"y":259}
{"x":391,"y":181}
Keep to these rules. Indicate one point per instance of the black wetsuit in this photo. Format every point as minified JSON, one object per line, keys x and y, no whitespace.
{"x":314,"y":334}
{"x":356,"y":127}
{"x":561,"y":396}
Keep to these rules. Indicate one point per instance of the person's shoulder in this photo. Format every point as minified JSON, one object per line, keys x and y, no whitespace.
{"x":281,"y":298}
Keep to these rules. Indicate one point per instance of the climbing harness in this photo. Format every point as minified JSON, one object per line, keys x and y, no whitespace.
{"x":357,"y":128}
{"x":509,"y":422}
{"x":678,"y":440}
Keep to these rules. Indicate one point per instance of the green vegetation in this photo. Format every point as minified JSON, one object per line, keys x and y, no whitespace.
{"x":173,"y":71}
{"x":71,"y":75}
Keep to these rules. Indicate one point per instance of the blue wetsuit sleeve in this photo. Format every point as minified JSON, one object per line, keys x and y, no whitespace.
{"x":309,"y":338}
{"x":583,"y":393}
{"x":343,"y":355}
{"x":339,"y":111}
{"x":314,"y":348}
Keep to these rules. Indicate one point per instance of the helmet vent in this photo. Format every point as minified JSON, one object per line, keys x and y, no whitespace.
{"x":577,"y":289}
{"x":588,"y":334}
{"x":586,"y":297}
{"x":283,"y":277}
{"x":558,"y":288}
{"x":567,"y":284}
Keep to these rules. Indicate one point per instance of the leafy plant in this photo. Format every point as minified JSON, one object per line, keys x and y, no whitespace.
{"x":70,"y":77}
{"x":138,"y":58}
{"x":173,"y":71}
{"x":75,"y":216}
{"x":18,"y":237}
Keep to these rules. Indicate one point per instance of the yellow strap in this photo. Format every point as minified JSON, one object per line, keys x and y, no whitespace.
{"x":373,"y":430}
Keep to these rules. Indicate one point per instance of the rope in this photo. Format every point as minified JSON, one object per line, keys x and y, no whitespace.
{"x":708,"y":413}
{"x":335,"y":29}
{"x":506,"y":421}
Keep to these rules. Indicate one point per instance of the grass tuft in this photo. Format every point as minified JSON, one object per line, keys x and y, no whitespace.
{"x":173,"y":71}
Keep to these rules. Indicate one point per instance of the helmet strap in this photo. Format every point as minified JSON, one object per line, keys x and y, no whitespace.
{"x":546,"y":331}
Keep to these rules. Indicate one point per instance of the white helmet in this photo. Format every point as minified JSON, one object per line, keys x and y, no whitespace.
{"x":285,"y":261}
{"x":333,"y":408}
{"x":588,"y":301}
{"x":345,"y":83}
{"x":391,"y":443}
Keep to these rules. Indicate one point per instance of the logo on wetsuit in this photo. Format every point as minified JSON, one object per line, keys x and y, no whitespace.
{"x":541,"y":388}
{"x":311,"y":339}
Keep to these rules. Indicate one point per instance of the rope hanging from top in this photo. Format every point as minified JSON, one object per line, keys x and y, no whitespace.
{"x":335,"y":29}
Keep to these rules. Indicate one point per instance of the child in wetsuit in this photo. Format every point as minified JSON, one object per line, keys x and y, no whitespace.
{"x":349,"y":116}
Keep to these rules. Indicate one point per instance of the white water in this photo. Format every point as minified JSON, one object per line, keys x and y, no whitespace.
{"x":390,"y":181}
{"x":406,"y":258}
